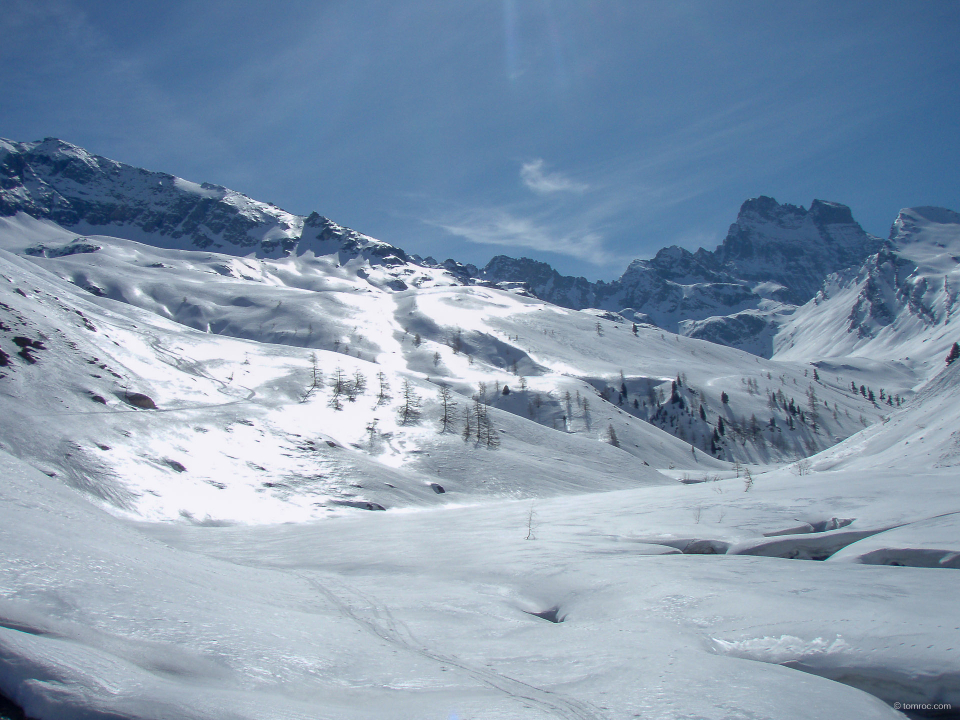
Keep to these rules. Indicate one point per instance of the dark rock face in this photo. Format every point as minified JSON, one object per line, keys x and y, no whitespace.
{"x":544,"y":282}
{"x":74,"y":248}
{"x":890,"y":285}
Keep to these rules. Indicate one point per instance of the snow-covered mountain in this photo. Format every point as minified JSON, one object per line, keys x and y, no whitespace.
{"x":55,"y":180}
{"x":772,"y":254}
{"x":260,"y":466}
{"x":899,"y":305}
{"x":773,"y":258}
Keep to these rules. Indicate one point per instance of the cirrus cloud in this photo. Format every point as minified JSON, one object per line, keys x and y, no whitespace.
{"x":537,"y":179}
{"x":497,"y":226}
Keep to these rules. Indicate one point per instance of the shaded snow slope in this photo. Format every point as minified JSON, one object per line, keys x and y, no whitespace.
{"x":924,"y":435}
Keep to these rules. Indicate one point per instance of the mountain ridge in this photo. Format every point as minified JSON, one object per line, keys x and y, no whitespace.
{"x":774,"y":258}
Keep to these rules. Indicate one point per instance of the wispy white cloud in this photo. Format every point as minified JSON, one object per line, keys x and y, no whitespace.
{"x":511,"y":229}
{"x":545,"y":183}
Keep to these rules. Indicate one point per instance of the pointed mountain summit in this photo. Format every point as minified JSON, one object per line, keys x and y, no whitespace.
{"x":773,"y":258}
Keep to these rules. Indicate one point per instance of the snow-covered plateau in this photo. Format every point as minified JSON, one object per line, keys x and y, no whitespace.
{"x":257,"y":465}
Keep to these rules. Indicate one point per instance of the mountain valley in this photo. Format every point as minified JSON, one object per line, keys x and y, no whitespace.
{"x":261,"y":465}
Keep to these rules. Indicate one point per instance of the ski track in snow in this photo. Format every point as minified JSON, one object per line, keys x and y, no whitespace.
{"x":379,"y":621}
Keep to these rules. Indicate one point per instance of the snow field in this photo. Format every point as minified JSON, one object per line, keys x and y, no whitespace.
{"x":215,"y":557}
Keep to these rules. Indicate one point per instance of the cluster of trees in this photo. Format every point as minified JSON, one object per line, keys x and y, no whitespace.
{"x":685,"y":415}
{"x":791,"y":408}
{"x":869,"y":395}
{"x":344,"y":385}
{"x":476,"y":420}
{"x":582,"y":405}
{"x":753,"y":388}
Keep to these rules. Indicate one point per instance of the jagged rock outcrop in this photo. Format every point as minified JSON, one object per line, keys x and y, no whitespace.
{"x":323,"y":237}
{"x":544,"y":282}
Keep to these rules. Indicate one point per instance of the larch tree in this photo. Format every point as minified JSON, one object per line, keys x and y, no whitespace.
{"x":447,"y":404}
{"x":409,"y":410}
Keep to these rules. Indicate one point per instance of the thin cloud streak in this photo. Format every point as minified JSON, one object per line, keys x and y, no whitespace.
{"x":500,"y":227}
{"x":583,"y":220}
{"x":545,"y":183}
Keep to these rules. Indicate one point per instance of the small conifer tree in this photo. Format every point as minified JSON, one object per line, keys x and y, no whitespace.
{"x":954,"y":353}
{"x":612,"y":436}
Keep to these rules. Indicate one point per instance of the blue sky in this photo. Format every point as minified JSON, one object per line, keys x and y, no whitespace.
{"x":581,"y":133}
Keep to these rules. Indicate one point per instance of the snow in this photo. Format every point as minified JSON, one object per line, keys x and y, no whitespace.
{"x":197,"y":188}
{"x":427,"y":614}
{"x":213,"y":557}
{"x":899,"y":307}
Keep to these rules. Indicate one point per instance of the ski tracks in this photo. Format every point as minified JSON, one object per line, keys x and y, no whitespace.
{"x":375,"y":618}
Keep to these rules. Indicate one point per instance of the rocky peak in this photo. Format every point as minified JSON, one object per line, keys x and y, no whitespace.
{"x":767,"y":210}
{"x":911,"y":222}
{"x":792,"y":246}
{"x":679,"y":265}
{"x":543,"y":281}
{"x":322,"y":236}
{"x":830,"y":213}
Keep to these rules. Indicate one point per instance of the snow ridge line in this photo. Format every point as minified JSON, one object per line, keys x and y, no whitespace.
{"x":383,"y":624}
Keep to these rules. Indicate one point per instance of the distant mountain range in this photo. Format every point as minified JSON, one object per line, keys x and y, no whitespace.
{"x":744,"y":294}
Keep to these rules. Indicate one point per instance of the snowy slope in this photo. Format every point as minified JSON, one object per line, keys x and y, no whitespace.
{"x":462,"y":336}
{"x":430,"y":615}
{"x":899,"y":306}
{"x":235,"y":435}
{"x":923,"y":436}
